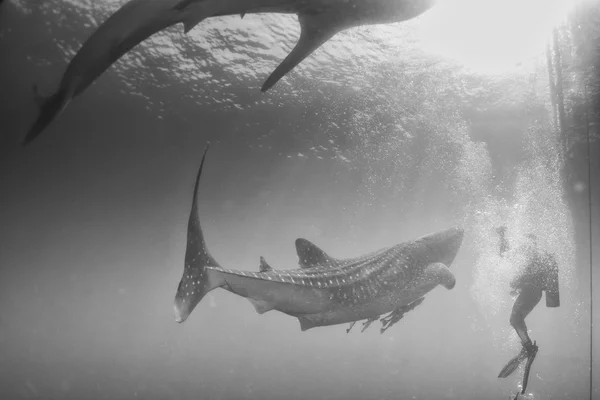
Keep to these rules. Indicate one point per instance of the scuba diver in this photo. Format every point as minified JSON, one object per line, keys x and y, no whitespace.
{"x":538,"y":272}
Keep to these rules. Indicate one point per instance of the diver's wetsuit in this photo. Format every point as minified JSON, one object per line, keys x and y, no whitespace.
{"x":539,"y":274}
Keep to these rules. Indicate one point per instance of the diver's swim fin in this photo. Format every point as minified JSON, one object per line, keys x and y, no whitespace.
{"x":513,"y":364}
{"x":530,"y":357}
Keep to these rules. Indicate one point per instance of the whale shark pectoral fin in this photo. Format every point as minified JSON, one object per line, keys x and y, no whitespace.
{"x":261,"y":306}
{"x":315,"y":29}
{"x":440,"y":274}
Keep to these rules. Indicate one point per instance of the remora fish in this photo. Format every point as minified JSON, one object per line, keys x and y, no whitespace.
{"x":139,"y":19}
{"x":324,"y":290}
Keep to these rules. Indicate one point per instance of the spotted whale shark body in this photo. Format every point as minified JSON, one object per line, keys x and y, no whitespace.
{"x":324,"y":290}
{"x":137,"y":20}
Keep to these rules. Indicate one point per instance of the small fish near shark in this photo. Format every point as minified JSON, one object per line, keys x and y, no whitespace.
{"x":137,"y":20}
{"x":323,"y":290}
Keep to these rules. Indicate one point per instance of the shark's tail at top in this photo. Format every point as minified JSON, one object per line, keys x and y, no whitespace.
{"x":197,"y":280}
{"x":49,"y":108}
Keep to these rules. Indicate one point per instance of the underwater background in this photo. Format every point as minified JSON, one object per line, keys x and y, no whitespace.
{"x":379,"y":137}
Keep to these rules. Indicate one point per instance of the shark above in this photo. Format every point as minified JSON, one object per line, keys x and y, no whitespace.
{"x":137,"y":20}
{"x":323,"y":290}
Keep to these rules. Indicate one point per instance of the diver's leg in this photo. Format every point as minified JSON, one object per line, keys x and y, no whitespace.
{"x":529,"y":297}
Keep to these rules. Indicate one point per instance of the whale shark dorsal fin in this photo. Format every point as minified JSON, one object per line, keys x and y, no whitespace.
{"x":310,"y":255}
{"x":315,"y":29}
{"x":264,"y":266}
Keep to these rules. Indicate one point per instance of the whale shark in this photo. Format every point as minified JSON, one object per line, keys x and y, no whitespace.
{"x":323,"y":290}
{"x":137,"y":20}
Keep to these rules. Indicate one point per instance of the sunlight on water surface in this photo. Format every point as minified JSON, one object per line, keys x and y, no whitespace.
{"x":491,"y":36}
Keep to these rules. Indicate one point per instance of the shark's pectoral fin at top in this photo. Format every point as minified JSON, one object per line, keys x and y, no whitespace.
{"x":439,"y":273}
{"x":310,"y":255}
{"x":191,"y":23}
{"x":315,"y":29}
